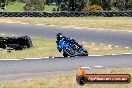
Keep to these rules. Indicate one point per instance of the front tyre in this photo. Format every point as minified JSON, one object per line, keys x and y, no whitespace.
{"x":69,"y":51}
{"x":85,"y":53}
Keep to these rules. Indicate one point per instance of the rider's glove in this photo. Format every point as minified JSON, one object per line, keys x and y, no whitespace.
{"x":59,"y":49}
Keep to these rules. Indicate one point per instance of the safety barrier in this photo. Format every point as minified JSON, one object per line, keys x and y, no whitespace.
{"x":64,"y":14}
{"x":16,"y":43}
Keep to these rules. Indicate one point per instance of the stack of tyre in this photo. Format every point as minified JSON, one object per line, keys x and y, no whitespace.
{"x":17,"y":43}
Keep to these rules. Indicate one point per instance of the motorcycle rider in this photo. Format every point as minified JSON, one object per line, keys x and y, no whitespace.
{"x":60,"y":36}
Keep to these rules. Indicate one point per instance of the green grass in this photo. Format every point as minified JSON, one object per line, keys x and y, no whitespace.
{"x":45,"y":47}
{"x":18,"y":7}
{"x":105,"y":23}
{"x":67,"y":81}
{"x":49,"y":8}
{"x":42,"y":47}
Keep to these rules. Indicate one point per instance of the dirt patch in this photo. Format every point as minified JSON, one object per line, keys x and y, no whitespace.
{"x":7,"y":20}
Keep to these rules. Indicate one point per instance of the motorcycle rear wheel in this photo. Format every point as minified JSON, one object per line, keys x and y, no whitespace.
{"x":65,"y":55}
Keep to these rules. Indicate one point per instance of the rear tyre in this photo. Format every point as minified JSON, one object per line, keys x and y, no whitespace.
{"x":65,"y":55}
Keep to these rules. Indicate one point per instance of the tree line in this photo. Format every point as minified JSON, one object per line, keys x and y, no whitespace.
{"x":106,"y":5}
{"x":73,"y":5}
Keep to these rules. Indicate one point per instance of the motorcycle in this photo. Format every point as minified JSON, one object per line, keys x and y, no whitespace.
{"x":70,"y":49}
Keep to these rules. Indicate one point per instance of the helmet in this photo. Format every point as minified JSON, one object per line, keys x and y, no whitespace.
{"x":59,"y":36}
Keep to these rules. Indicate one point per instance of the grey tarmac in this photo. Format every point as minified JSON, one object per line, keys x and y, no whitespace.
{"x":20,"y":69}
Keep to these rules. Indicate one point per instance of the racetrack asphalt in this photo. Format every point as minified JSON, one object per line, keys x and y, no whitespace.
{"x":97,"y":36}
{"x":11,"y":70}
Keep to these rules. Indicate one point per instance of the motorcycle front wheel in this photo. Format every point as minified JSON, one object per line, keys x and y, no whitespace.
{"x":68,"y":51}
{"x":85,"y":53}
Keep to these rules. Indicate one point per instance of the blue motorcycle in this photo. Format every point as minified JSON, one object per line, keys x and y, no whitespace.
{"x":70,"y":49}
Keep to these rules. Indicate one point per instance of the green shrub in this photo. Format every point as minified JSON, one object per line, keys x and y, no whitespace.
{"x":34,"y":5}
{"x":63,"y":7}
{"x":93,"y":8}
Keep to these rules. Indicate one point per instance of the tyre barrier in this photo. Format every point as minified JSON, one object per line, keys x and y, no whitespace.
{"x":17,"y":43}
{"x":64,"y":14}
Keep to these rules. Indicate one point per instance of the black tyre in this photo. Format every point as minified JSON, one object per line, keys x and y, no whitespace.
{"x":69,"y":51}
{"x":81,"y":80}
{"x":28,"y":41}
{"x":4,"y":46}
{"x":18,"y":47}
{"x":17,"y":43}
{"x":85,"y":53}
{"x":65,"y":55}
{"x":82,"y":53}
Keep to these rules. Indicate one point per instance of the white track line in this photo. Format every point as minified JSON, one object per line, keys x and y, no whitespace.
{"x":54,"y":57}
{"x":45,"y":57}
{"x":83,"y":42}
{"x":52,"y":25}
{"x":121,"y":54}
{"x":24,"y":23}
{"x":9,"y":59}
{"x":116,"y":46}
{"x":101,"y":44}
{"x":98,"y":66}
{"x":93,"y":43}
{"x":77,"y":28}
{"x":39,"y":24}
{"x":97,"y":55}
{"x":128,"y":53}
{"x":109,"y":45}
{"x":114,"y":30}
{"x":112,"y":54}
{"x":88,"y":68}
{"x":126,"y":47}
{"x":39,"y":58}
{"x":66,"y":27}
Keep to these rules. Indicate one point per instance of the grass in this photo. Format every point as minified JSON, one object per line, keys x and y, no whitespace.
{"x":67,"y":81}
{"x":44,"y":47}
{"x":49,"y":8}
{"x":111,"y":23}
{"x":18,"y":7}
